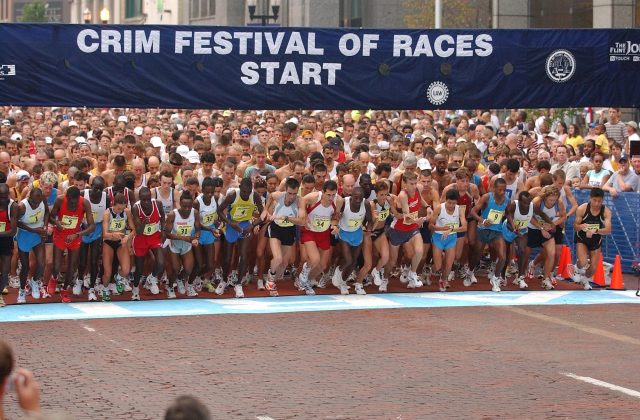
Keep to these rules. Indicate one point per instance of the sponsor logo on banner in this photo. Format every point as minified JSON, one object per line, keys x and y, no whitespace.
{"x":7,"y":70}
{"x":437,"y":93}
{"x":560,"y":66}
{"x":625,"y":51}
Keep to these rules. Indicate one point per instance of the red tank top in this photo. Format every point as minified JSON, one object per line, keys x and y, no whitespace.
{"x":71,"y":220}
{"x":465,"y":202}
{"x":5,"y":218}
{"x":111,"y":196}
{"x":414,"y":206}
{"x":153,"y":227}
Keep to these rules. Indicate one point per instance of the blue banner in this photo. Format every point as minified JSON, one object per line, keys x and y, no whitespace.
{"x":289,"y":68}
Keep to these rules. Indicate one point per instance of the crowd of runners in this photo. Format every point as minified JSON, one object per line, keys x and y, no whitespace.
{"x":101,"y":202}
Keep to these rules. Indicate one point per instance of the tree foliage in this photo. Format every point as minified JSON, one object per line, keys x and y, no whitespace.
{"x":455,"y":13}
{"x":34,"y":12}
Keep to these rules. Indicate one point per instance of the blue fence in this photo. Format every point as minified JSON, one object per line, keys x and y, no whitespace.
{"x":625,"y":234}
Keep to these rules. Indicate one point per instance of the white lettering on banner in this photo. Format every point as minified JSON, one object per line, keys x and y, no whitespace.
{"x":290,"y":74}
{"x":444,"y":46}
{"x":114,"y":41}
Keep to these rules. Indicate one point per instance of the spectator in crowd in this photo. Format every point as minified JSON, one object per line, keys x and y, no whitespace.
{"x":624,"y":180}
{"x":18,"y":380}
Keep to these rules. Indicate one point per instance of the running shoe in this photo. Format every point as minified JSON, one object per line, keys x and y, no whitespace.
{"x":181,"y":288}
{"x":368,"y":280}
{"x":495,"y":282}
{"x":238,"y":289}
{"x":113,"y":289}
{"x":471,"y":275}
{"x":22,"y":296}
{"x":377,"y":278}
{"x":221,"y":287}
{"x":135,"y":293}
{"x":336,"y":280}
{"x":404,"y":274}
{"x":309,"y":290}
{"x":51,"y":286}
{"x":344,"y":288}
{"x":197,"y":284}
{"x":271,"y":286}
{"x":586,"y":284}
{"x":413,"y":281}
{"x":43,"y":292}
{"x":2,"y":304}
{"x":191,"y":291}
{"x":77,"y":287}
{"x":171,"y":294}
{"x":324,"y":280}
{"x":503,"y":282}
{"x":153,"y":284}
{"x":64,"y":296}
{"x":145,"y":282}
{"x":218,"y":274}
{"x":92,"y":295}
{"x":547,"y":285}
{"x":14,"y":282}
{"x":35,"y":288}
{"x":521,"y":283}
{"x":208,"y":286}
{"x":383,"y":286}
{"x":441,"y":286}
{"x":87,"y":281}
{"x":466,"y":279}
{"x":119,"y":283}
{"x":106,"y":296}
{"x":260,"y":284}
{"x":303,"y":279}
{"x":127,"y":284}
{"x":359,"y":288}
{"x":5,"y":291}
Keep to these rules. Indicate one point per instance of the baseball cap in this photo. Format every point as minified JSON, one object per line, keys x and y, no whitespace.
{"x":335,"y":142}
{"x":73,"y":123}
{"x":16,"y":137}
{"x":632,"y":124}
{"x":6,"y":122}
{"x":623,"y":157}
{"x":48,"y":140}
{"x":340,"y":130}
{"x":451,"y":130}
{"x":423,"y":164}
{"x":183,"y":150}
{"x":292,"y":120}
{"x":329,"y":134}
{"x":226,"y":113}
{"x":193,"y":157}
{"x":244,"y":131}
{"x":552,"y":134}
{"x":156,"y":141}
{"x":138,"y":131}
{"x":592,"y":125}
{"x":383,"y":145}
{"x":429,"y":135}
{"x":355,"y":115}
{"x":461,"y":140}
{"x":123,"y":118}
{"x":22,"y":175}
{"x":80,"y":139}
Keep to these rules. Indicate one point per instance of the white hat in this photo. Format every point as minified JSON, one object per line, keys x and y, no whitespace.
{"x":179,"y":127}
{"x":138,"y":131}
{"x":174,"y":117}
{"x":423,"y":164}
{"x":156,"y":141}
{"x":553,"y":135}
{"x":292,"y":120}
{"x":22,"y":174}
{"x":16,"y":137}
{"x":6,"y":122}
{"x":123,"y":118}
{"x":73,"y":123}
{"x":461,"y":140}
{"x":340,"y":130}
{"x":182,"y":150}
{"x":80,"y":139}
{"x":48,"y":140}
{"x":193,"y":157}
{"x":383,"y":145}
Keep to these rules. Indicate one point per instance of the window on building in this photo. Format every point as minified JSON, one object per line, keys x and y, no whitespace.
{"x":132,"y":9}
{"x":351,"y":13}
{"x":561,"y":13}
{"x":202,"y":8}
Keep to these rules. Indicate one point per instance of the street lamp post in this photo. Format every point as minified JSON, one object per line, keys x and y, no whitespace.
{"x":265,"y":17}
{"x":105,"y":15}
{"x":86,"y":15}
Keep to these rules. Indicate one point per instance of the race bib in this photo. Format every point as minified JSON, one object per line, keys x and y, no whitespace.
{"x":282,"y":223}
{"x":116,"y":225}
{"x":150,"y":229}
{"x":3,"y":226}
{"x":184,"y":229}
{"x":452,"y":225}
{"x":520,"y":224}
{"x":34,"y":218}
{"x":411,"y":218}
{"x":209,"y":218}
{"x":241,"y":212}
{"x":592,"y":227}
{"x":321,"y":223}
{"x":383,"y":215}
{"x":69,"y":222}
{"x":354,"y":223}
{"x":495,"y":216}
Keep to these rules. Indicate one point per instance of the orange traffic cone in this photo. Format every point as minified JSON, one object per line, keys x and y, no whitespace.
{"x":566,"y":273}
{"x":562,"y":262}
{"x":616,"y":275}
{"x":598,"y":275}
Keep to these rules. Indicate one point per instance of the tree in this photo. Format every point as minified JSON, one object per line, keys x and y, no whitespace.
{"x":34,"y":12}
{"x":455,"y":13}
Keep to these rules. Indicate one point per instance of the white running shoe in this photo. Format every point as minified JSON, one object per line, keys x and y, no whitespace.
{"x":467,"y":280}
{"x":404,"y":274}
{"x":218,"y":274}
{"x":135,"y":293}
{"x":238,"y":289}
{"x":413,"y":281}
{"x":309,"y":290}
{"x":113,"y":289}
{"x":383,"y":286}
{"x":181,"y":289}
{"x":145,"y":282}
{"x":197,"y":284}
{"x":586,"y":284}
{"x":22,"y":296}
{"x":324,"y":280}
{"x":221,"y":286}
{"x":92,"y":295}
{"x":336,"y":280}
{"x":260,"y":284}
{"x":171,"y":293}
{"x":344,"y":288}
{"x":377,"y":278}
{"x":471,"y":275}
{"x":127,"y":284}
{"x":77,"y":288}
{"x":547,"y":284}
{"x":35,"y":289}
{"x":495,"y":283}
{"x":14,"y":282}
{"x":191,"y":291}
{"x":359,"y":289}
{"x":521,"y":283}
{"x":87,"y":281}
{"x":153,"y":284}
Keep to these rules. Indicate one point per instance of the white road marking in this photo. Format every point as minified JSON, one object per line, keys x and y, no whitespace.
{"x":88,"y":328}
{"x":533,"y":298}
{"x":100,"y":308}
{"x":603,"y":384}
{"x":264,"y":418}
{"x":366,"y":300}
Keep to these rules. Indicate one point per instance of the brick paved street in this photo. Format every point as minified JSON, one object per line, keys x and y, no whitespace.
{"x":452,"y":362}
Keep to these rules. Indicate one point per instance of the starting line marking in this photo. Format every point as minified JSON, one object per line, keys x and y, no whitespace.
{"x":267,"y":305}
{"x":603,"y":384}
